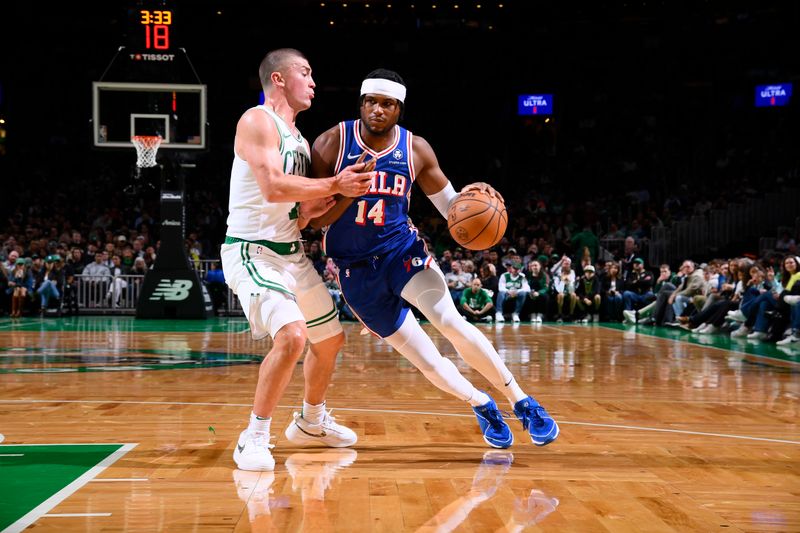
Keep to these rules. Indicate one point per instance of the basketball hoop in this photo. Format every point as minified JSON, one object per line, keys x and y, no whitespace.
{"x":146,"y":148}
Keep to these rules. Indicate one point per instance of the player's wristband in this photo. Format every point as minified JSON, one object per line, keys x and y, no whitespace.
{"x":443,"y":198}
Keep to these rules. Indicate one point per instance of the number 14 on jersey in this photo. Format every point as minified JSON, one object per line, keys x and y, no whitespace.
{"x":375,"y":213}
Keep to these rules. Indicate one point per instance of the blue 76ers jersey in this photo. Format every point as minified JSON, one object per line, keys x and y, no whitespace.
{"x":378,"y":221}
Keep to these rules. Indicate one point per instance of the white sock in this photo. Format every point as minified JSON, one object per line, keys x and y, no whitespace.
{"x":478,"y":398}
{"x":259,"y":424}
{"x":513,"y":392}
{"x":313,"y":413}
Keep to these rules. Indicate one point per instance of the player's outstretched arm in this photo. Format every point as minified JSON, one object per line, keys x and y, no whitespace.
{"x":258,"y":141}
{"x":433,"y":181}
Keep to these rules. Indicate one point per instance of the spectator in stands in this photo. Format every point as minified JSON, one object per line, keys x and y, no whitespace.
{"x":98,"y":275}
{"x":126,"y":262}
{"x":539,"y":284}
{"x":532,"y":255}
{"x":692,"y":282}
{"x":587,"y":295}
{"x":753,"y":289}
{"x":638,"y":287}
{"x":118,"y":284}
{"x":75,"y":262}
{"x":215,"y":283}
{"x":52,"y":284}
{"x":4,"y":297}
{"x":20,"y":284}
{"x":150,"y":256}
{"x":611,"y":292}
{"x":790,"y":298}
{"x":139,"y":267}
{"x":563,"y":286}
{"x":457,"y":280}
{"x":586,"y":239}
{"x":138,"y":247}
{"x":769,"y":301}
{"x":445,"y":260}
{"x":512,"y":287}
{"x":9,"y":265}
{"x":476,"y":303}
{"x":628,"y":256}
{"x":711,"y":318}
{"x":489,"y":280}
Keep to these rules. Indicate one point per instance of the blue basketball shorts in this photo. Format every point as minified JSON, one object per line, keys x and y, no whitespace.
{"x":372,"y":287}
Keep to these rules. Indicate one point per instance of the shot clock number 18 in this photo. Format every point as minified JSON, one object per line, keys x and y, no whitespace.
{"x":156,"y":28}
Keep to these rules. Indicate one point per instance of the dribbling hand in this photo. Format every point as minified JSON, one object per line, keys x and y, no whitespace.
{"x":355,"y":179}
{"x":483,"y":187}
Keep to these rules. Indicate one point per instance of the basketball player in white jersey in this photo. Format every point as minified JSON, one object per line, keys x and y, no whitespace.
{"x":265,"y":265}
{"x":384,"y":265}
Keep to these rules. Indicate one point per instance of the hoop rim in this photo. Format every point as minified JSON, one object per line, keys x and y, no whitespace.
{"x":146,"y":139}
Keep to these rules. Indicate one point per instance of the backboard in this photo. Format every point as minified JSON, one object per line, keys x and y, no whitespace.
{"x":121,"y":110}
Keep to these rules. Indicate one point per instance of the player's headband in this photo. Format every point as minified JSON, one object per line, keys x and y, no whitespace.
{"x":385,"y":87}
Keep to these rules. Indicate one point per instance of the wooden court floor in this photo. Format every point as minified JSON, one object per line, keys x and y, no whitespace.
{"x":658,"y":433}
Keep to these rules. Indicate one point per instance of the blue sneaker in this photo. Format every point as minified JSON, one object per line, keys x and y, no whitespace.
{"x":495,"y":431}
{"x":534,"y":418}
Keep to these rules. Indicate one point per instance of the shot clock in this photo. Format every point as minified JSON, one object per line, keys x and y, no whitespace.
{"x":156,"y":24}
{"x":151,"y":34}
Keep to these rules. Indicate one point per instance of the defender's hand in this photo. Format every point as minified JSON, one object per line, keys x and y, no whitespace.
{"x":311,"y":209}
{"x":355,"y":179}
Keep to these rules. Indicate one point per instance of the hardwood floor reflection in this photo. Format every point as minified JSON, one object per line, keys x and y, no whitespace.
{"x":657,"y":434}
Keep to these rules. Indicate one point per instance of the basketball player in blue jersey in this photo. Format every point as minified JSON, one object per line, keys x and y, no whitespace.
{"x":281,"y":293}
{"x":384,"y":265}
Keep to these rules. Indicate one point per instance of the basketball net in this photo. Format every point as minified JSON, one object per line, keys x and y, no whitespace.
{"x":146,"y":148}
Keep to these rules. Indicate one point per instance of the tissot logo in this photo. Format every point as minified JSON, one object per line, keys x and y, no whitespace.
{"x":171,"y":196}
{"x":172,"y":291}
{"x":171,"y":223}
{"x":152,"y":57}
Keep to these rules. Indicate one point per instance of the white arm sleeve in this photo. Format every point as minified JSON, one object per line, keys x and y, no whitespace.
{"x":443,"y":198}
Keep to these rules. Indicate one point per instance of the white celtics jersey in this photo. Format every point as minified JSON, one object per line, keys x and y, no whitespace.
{"x":250,"y":216}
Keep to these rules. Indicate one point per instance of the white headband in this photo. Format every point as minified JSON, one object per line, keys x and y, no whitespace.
{"x":385,"y":87}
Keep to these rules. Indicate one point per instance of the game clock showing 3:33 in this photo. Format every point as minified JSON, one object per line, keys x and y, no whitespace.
{"x":154,"y":29}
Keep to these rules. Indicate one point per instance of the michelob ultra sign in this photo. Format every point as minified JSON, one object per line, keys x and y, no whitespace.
{"x":775,"y":95}
{"x":535,"y":104}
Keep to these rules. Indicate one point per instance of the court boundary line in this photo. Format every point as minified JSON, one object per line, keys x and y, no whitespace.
{"x":43,"y":508}
{"x":400,"y":411}
{"x":791,"y":364}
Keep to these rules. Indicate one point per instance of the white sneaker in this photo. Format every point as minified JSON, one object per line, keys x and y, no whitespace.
{"x":711,"y":329}
{"x":595,"y":318}
{"x":254,"y":489}
{"x":515,"y":317}
{"x":792,"y":299}
{"x":498,"y":317}
{"x":585,"y":320}
{"x":253,"y":451}
{"x":312,"y":472}
{"x":699,"y":329}
{"x":630,"y":316}
{"x":794,"y":337}
{"x":741,"y":332}
{"x":757,"y":336}
{"x":326,"y":433}
{"x":486,"y":318}
{"x":737,"y":315}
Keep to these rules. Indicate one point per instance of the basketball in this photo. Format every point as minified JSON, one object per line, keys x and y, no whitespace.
{"x":476,"y":220}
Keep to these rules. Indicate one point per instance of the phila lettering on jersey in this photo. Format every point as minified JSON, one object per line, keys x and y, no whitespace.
{"x":377,"y":221}
{"x":251,"y":217}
